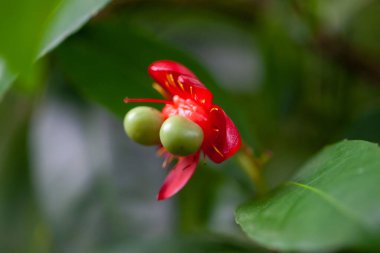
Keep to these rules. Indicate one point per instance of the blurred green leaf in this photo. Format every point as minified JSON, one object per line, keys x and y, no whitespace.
{"x":203,"y":187}
{"x":201,"y":243}
{"x":20,"y":217}
{"x":336,"y":15}
{"x":366,"y":127}
{"x":362,"y":33}
{"x":29,"y":29}
{"x":32,"y":81}
{"x":331,"y":204}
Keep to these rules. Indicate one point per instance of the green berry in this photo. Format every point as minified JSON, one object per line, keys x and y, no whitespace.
{"x":142,"y":124}
{"x":181,"y":136}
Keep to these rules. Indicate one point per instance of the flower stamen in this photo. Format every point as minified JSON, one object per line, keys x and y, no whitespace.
{"x":167,"y":161}
{"x":160,"y":151}
{"x":181,"y":85}
{"x":160,"y":90}
{"x":170,"y":79}
{"x":217,"y":151}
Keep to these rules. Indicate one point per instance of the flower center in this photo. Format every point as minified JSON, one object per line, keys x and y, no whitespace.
{"x":186,"y":108}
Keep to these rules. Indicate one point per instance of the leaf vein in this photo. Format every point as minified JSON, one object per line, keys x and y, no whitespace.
{"x":334,"y":203}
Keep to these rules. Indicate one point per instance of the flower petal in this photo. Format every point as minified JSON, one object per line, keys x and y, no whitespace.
{"x":178,"y":176}
{"x":226,"y":140}
{"x":159,"y":69}
{"x":195,"y":90}
{"x":176,"y":79}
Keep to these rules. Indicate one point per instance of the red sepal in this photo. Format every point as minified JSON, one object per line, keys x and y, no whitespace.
{"x":176,"y":79}
{"x":226,"y":139}
{"x":178,"y":176}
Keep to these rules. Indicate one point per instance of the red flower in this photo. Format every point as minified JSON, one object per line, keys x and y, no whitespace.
{"x":187,"y":96}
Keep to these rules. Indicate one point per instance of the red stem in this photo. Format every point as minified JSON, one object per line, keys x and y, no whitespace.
{"x":146,"y":100}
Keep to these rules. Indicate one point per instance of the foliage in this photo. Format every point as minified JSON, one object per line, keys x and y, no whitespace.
{"x":43,"y":24}
{"x":295,"y":76}
{"x":314,"y":211}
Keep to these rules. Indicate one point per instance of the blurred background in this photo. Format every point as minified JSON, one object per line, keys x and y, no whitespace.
{"x":293,"y":75}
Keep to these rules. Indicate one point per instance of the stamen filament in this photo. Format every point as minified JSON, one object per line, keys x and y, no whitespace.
{"x":146,"y":100}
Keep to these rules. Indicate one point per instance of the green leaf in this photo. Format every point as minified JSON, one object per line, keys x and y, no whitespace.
{"x":68,"y":17}
{"x":29,"y":29}
{"x":332,"y":203}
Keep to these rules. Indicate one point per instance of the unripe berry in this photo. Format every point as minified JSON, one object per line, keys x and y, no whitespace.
{"x":181,"y":136}
{"x":142,"y":124}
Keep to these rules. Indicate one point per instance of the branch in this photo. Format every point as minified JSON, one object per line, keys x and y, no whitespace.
{"x":337,"y":49}
{"x":348,"y":56}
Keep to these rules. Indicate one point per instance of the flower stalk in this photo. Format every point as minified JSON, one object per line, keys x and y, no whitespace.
{"x":252,"y":166}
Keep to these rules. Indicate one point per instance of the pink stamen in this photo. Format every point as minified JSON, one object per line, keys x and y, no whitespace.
{"x":167,"y":161}
{"x":146,"y":100}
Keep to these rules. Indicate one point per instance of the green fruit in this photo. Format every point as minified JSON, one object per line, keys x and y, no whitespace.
{"x":181,"y":136}
{"x":142,"y":124}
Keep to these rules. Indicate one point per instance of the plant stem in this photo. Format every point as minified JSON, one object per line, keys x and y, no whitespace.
{"x":252,"y":165}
